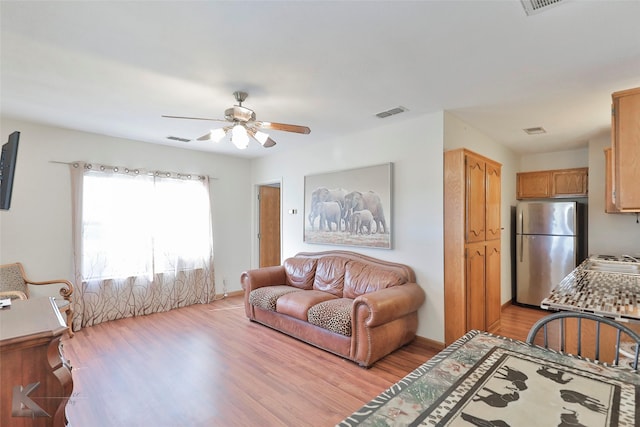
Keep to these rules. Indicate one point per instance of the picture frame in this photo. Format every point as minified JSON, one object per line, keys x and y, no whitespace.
{"x":349,"y":207}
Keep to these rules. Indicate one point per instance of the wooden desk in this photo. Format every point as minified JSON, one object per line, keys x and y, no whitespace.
{"x":482,"y":377}
{"x":30,"y":353}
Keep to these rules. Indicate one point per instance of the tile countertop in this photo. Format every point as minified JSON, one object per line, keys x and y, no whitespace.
{"x":613,"y":295}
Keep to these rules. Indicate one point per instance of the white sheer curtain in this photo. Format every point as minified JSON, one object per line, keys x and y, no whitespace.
{"x":142,"y":242}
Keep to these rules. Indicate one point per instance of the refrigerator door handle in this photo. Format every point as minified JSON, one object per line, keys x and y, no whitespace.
{"x":521,"y":247}
{"x":521,"y":220}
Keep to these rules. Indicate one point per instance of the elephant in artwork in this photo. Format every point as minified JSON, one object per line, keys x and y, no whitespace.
{"x":361,"y":220}
{"x":357,"y":201}
{"x":323,"y":194}
{"x":330,"y":213}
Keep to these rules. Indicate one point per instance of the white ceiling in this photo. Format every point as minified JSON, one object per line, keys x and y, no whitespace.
{"x":114,"y":67}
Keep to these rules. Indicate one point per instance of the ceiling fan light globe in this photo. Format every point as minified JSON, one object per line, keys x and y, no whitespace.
{"x":239,"y":137}
{"x":217,"y":134}
{"x":261,"y":137}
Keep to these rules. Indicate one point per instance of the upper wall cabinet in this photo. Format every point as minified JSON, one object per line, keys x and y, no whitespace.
{"x":557,"y":183}
{"x":625,"y":137}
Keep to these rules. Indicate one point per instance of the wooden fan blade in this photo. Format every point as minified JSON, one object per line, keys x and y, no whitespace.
{"x":194,"y":118}
{"x":285,"y":127}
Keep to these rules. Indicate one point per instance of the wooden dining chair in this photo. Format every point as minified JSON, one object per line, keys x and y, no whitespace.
{"x":14,"y":284}
{"x":587,"y":335}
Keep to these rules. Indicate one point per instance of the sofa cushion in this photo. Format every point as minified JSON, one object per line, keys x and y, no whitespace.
{"x":300,"y":272}
{"x":267,"y":296}
{"x":330,"y":275}
{"x":297,"y":304}
{"x":334,"y":315}
{"x":361,"y":278}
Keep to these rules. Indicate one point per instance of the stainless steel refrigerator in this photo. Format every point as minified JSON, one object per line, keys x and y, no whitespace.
{"x":549,"y":245}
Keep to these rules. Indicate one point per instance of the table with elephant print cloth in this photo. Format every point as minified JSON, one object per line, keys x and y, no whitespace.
{"x":488,"y":380}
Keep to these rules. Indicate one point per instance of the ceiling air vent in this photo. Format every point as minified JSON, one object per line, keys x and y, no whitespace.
{"x":177,"y":138}
{"x":535,"y":131}
{"x":532,"y":7}
{"x":391,"y":112}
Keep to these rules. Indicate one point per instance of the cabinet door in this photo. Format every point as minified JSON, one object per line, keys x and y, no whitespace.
{"x":476,"y":262}
{"x":492,"y":286}
{"x":626,"y":148}
{"x":570,"y":182}
{"x":533,"y":185}
{"x":475,"y":193}
{"x":492,"y":185}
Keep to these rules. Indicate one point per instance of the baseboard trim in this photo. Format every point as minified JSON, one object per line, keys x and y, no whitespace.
{"x":234,"y":294}
{"x":429,"y":343}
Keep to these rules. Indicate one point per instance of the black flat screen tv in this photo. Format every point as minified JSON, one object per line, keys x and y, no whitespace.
{"x":8,"y":169}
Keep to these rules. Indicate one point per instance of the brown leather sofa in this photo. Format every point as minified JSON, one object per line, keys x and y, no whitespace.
{"x":353,"y":305}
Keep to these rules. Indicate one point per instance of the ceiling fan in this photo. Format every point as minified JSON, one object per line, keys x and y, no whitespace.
{"x":242,"y":124}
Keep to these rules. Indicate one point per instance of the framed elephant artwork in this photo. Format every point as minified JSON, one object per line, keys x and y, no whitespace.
{"x":349,"y":207}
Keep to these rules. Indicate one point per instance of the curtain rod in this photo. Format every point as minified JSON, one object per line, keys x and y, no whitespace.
{"x":150,"y":173}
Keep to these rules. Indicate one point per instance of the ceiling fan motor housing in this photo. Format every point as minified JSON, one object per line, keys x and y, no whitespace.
{"x":240,"y":114}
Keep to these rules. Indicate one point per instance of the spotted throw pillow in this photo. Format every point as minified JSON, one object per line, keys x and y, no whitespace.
{"x":333,"y":315}
{"x":267,"y":296}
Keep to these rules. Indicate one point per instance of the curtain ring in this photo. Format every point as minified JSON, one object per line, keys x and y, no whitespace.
{"x":115,"y":169}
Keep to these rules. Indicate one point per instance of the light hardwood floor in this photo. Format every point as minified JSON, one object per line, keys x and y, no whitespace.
{"x":207,"y":365}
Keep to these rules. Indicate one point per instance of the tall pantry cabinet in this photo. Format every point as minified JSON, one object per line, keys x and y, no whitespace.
{"x":472,"y":231}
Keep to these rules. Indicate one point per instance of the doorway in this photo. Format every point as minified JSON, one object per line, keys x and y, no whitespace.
{"x":269,"y":224}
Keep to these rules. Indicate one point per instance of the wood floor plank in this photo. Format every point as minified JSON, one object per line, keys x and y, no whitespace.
{"x":208,"y":365}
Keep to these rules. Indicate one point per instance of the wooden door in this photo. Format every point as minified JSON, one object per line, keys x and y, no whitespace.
{"x":493,"y":201}
{"x":570,"y":182}
{"x":492,"y":286}
{"x":269,"y":233}
{"x":476,"y":193}
{"x":533,"y":185}
{"x":475,"y":280}
{"x":626,"y":149}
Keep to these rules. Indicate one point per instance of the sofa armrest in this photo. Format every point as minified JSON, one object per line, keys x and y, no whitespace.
{"x":265,"y":276}
{"x":388,"y":304}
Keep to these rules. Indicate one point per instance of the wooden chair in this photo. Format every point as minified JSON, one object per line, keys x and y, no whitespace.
{"x":15,"y":285}
{"x":587,"y":335}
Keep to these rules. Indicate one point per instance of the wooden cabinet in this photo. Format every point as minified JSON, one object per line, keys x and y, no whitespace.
{"x":558,"y":183}
{"x":625,"y":137}
{"x":36,"y":378}
{"x":609,"y":189}
{"x":533,"y":185}
{"x":472,"y":239}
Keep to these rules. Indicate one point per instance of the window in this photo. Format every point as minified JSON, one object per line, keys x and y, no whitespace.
{"x":141,"y":225}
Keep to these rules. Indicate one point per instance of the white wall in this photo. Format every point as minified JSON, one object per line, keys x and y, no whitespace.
{"x":608,"y":233}
{"x":458,"y":134}
{"x":555,"y":160}
{"x":414,"y":146}
{"x":37,"y":229}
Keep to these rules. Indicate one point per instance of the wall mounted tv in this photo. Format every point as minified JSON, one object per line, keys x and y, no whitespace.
{"x":8,"y":169}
